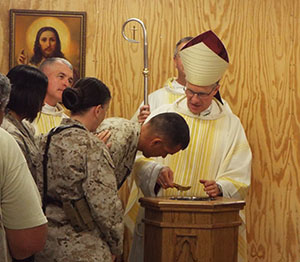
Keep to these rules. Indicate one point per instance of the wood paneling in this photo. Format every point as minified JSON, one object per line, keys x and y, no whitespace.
{"x":261,"y":85}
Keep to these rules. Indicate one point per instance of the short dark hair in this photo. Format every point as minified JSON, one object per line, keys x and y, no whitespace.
{"x":28,"y":91}
{"x":172,"y":127}
{"x":87,"y":92}
{"x":38,"y":55}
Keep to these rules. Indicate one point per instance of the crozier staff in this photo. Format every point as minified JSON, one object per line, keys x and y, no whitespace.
{"x":219,"y":155}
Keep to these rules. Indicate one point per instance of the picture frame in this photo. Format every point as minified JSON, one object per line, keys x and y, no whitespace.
{"x":31,"y":40}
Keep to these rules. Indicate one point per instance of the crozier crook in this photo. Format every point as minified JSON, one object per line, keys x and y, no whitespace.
{"x":145,"y":71}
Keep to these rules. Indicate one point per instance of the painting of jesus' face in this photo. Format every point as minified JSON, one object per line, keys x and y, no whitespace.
{"x":47,"y":43}
{"x":38,"y":35}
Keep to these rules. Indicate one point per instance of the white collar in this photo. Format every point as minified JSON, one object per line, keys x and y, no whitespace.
{"x":53,"y":110}
{"x":214,"y":111}
{"x":173,"y":86}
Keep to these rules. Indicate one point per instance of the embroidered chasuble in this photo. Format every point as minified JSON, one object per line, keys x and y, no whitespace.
{"x":218,"y":150}
{"x":49,"y":117}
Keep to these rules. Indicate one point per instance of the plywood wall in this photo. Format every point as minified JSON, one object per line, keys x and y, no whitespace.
{"x":262,"y":86}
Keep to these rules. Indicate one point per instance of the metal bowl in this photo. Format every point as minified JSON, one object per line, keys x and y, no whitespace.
{"x":192,"y":198}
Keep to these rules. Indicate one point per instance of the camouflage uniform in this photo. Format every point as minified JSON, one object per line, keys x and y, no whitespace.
{"x":124,"y":140}
{"x":80,"y":166}
{"x":23,"y":133}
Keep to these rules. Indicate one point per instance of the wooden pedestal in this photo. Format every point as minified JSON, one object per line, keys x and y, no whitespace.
{"x":191,"y":231}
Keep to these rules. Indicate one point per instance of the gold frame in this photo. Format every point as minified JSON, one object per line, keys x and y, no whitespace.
{"x":24,"y":25}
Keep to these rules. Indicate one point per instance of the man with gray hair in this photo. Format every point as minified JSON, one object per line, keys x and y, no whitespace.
{"x":217,"y":161}
{"x":172,"y":89}
{"x":23,"y":225}
{"x":60,"y":76}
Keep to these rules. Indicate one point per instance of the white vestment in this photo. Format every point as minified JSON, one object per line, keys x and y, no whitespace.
{"x":49,"y":117}
{"x":218,"y":150}
{"x":170,"y":92}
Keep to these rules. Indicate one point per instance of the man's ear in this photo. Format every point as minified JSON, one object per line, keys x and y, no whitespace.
{"x":216,"y":90}
{"x":174,"y":61}
{"x":156,"y":141}
{"x":97,"y":109}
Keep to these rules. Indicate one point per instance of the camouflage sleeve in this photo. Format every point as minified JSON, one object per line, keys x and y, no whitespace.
{"x":101,"y":194}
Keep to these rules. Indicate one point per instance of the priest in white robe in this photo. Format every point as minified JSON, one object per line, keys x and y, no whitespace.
{"x":218,"y":159}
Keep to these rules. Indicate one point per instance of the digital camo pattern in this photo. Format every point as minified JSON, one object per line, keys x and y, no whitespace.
{"x":23,"y":133}
{"x":80,"y":166}
{"x":124,"y":140}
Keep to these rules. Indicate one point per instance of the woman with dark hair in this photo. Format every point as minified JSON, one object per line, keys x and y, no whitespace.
{"x":28,"y":90}
{"x":23,"y":225}
{"x":81,"y":203}
{"x":47,"y":44}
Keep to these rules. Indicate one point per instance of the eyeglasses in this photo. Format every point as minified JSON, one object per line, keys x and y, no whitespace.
{"x":191,"y":93}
